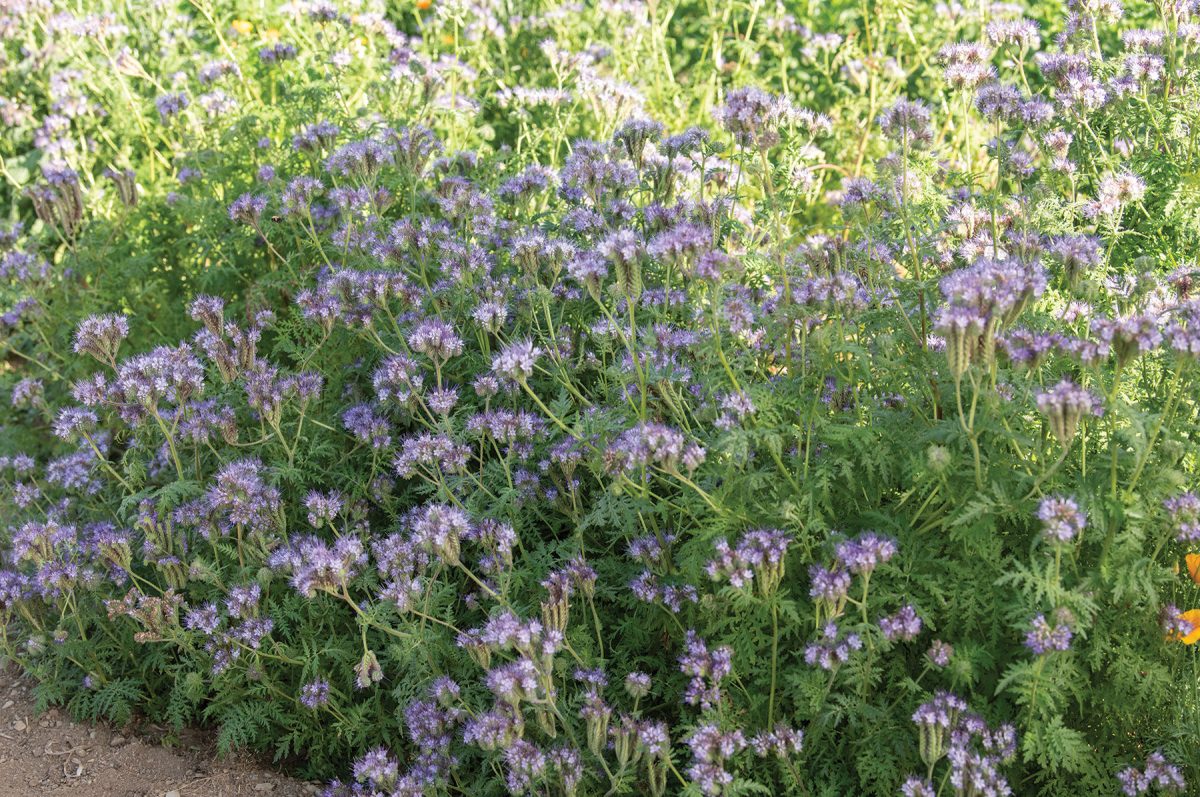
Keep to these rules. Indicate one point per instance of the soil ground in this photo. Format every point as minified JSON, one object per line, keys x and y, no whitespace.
{"x":50,"y":754}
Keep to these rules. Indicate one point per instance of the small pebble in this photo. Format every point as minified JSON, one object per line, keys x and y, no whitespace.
{"x":266,"y":786}
{"x":116,"y":741}
{"x":172,"y":793}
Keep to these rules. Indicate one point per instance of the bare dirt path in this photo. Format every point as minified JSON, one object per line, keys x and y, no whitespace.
{"x":50,"y":754}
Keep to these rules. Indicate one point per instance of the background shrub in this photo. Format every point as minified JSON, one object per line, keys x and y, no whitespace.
{"x":484,"y":398}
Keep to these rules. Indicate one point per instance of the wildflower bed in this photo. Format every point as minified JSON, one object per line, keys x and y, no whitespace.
{"x":668,"y":398}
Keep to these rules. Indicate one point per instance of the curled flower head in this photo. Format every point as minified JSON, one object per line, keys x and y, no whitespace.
{"x":314,"y":694}
{"x":759,"y":553}
{"x":904,"y":624}
{"x":752,"y":117}
{"x":367,"y":672}
{"x":1157,"y":772}
{"x":832,"y":648}
{"x":1065,"y":405}
{"x":516,"y":361}
{"x":248,"y":209}
{"x":907,"y":121}
{"x":436,"y":340}
{"x":939,"y":654}
{"x":865,"y":552}
{"x":1184,"y":512}
{"x":164,"y":374}
{"x":1044,"y":638}
{"x":1062,"y":520}
{"x":101,"y":336}
{"x":73,"y":421}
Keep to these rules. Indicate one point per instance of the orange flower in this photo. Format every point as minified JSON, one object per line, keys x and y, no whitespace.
{"x":1193,"y":617}
{"x":424,"y":5}
{"x":1193,"y":566}
{"x":242,"y":26}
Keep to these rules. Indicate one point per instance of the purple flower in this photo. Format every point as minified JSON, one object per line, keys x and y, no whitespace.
{"x":526,"y":765}
{"x":829,"y":587}
{"x":782,"y":742}
{"x":533,"y":179}
{"x":316,"y":565}
{"x":1158,"y":772}
{"x":1065,"y":405}
{"x":1128,"y":336}
{"x":865,"y":552}
{"x":436,"y":453}
{"x":1115,"y":192}
{"x":652,"y":444}
{"x":251,"y":632}
{"x":907,"y":121}
{"x":752,"y":117}
{"x":401,"y":564}
{"x":904,"y":624}
{"x":1043,"y":638}
{"x":515,"y":681}
{"x":759,"y":552}
{"x":998,"y":102}
{"x":436,"y":340}
{"x":590,"y":269}
{"x":361,"y":159}
{"x":29,"y":393}
{"x":1062,"y":520}
{"x":1078,"y":254}
{"x":314,"y":694}
{"x":940,"y":653}
{"x":707,"y":668}
{"x":967,"y":64}
{"x":74,"y":421}
{"x":248,"y":209}
{"x":101,"y":336}
{"x":516,"y":361}
{"x":205,"y":619}
{"x":832,"y":649}
{"x":915,"y":787}
{"x":376,"y":768}
{"x":649,"y":588}
{"x":170,"y":105}
{"x":315,"y":137}
{"x":243,"y":601}
{"x":244,"y":498}
{"x":1021,"y":33}
{"x":1184,"y":512}
{"x":493,"y":729}
{"x":362,"y":421}
{"x":431,"y":723}
{"x":323,"y":508}
{"x":167,"y":374}
{"x":440,"y":528}
{"x":1172,"y":622}
{"x":277,"y":52}
{"x":215,"y":70}
{"x":637,"y":685}
{"x":974,"y":750}
{"x":711,"y":749}
{"x":397,"y":379}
